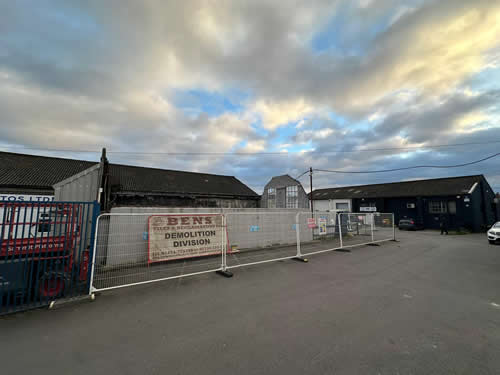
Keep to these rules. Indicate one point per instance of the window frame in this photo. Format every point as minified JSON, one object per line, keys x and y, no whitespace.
{"x":271,"y":197}
{"x":292,"y":196}
{"x":342,"y":209}
{"x":443,"y":207}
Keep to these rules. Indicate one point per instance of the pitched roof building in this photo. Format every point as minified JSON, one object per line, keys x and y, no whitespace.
{"x":422,"y":188}
{"x":123,"y":184}
{"x":33,"y":174}
{"x":465,"y":201}
{"x":284,"y":192}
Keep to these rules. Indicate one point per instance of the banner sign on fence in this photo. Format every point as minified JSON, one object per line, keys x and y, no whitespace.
{"x":311,"y":222}
{"x":184,"y":236}
{"x":322,"y":225}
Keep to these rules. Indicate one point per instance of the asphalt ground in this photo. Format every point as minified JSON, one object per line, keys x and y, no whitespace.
{"x":429,"y":304}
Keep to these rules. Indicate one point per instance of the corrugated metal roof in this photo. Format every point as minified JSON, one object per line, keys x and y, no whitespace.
{"x":421,"y":188}
{"x":37,"y":172}
{"x":41,"y":172}
{"x":130,"y":179}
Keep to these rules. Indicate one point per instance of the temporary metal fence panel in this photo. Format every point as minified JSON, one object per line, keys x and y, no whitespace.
{"x":383,"y":227}
{"x":260,"y":237}
{"x":139,"y":248}
{"x":45,"y":249}
{"x":337,"y":230}
{"x":364,"y":228}
{"x":318,"y":232}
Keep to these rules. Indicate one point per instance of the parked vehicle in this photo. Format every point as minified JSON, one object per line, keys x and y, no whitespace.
{"x":494,"y":233}
{"x":408,"y":224}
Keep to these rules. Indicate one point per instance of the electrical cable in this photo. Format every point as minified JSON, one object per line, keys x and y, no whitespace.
{"x":413,"y":167}
{"x":302,"y":174}
{"x":256,"y":153}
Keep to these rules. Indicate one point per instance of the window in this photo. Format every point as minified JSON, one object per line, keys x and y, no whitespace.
{"x":452,"y":207}
{"x":292,"y":197}
{"x":271,"y":198}
{"x":342,"y":206}
{"x":437,"y":207}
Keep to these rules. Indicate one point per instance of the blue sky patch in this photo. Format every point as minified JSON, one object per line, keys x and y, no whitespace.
{"x":196,"y":101}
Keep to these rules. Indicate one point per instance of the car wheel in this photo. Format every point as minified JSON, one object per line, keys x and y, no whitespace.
{"x":491,"y":242}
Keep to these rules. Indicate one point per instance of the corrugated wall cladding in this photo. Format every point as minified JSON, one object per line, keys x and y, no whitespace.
{"x":81,"y":187}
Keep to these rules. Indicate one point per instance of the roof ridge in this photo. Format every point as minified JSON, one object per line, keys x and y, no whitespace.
{"x":46,"y":157}
{"x":169,"y":170}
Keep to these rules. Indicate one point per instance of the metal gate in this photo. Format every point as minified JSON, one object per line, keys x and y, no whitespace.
{"x":45,"y":249}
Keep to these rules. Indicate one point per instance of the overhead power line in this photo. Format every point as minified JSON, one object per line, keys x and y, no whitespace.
{"x":301,"y":175}
{"x":282,"y":153}
{"x":412,"y":167}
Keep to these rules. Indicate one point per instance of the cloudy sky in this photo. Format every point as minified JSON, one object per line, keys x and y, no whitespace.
{"x":309,"y":83}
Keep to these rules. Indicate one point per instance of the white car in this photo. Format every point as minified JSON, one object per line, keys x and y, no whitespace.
{"x":494,"y":233}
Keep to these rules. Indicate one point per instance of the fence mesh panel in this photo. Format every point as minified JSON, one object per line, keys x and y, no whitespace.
{"x":383,"y":227}
{"x":356,"y":228}
{"x":124,"y":253}
{"x":138,"y":248}
{"x":319,"y":232}
{"x":260,"y":237}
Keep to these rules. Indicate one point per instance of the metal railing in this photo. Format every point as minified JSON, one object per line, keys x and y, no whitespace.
{"x":45,"y":251}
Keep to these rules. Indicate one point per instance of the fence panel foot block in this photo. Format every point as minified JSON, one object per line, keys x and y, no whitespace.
{"x":225,"y":273}
{"x":300,"y":259}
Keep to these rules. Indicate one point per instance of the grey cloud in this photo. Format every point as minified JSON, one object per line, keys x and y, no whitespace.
{"x":431,"y":122}
{"x":72,"y":87}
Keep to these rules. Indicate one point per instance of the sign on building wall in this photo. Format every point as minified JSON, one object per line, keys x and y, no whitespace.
{"x":368,"y":209}
{"x":184,"y":236}
{"x":322,"y":225}
{"x":25,"y":198}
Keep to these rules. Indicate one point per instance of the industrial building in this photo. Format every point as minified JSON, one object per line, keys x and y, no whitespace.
{"x":32,"y":177}
{"x":284,"y":192}
{"x":464,"y":202}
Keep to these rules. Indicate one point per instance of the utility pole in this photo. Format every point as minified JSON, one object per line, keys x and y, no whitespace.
{"x":102,"y":193}
{"x":311,"y":195}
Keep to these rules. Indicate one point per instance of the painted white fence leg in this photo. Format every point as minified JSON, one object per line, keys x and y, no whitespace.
{"x":297,"y":230}
{"x":92,"y":265}
{"x":373,"y":219}
{"x":393,"y":229}
{"x":340,"y":230}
